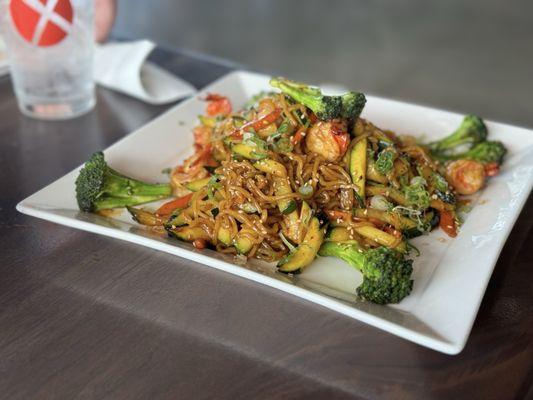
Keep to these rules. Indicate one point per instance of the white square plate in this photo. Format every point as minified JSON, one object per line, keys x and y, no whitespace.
{"x":450,"y":276}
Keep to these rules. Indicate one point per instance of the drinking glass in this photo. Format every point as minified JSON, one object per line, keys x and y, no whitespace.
{"x":50,"y":47}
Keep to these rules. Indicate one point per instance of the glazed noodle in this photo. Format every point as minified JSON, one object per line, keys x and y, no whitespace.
{"x":297,"y":174}
{"x":248,"y":198}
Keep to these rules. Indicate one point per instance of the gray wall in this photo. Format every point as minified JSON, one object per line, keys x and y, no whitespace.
{"x":470,"y":56}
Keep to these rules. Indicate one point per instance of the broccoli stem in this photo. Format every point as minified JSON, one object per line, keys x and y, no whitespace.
{"x":471,"y":131}
{"x":310,"y":97}
{"x":100,"y":187}
{"x":350,"y":252}
{"x":122,"y":191}
{"x":484,"y":152}
{"x":122,"y":186}
{"x":348,"y":106}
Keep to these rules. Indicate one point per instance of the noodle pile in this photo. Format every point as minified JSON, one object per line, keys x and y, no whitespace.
{"x":243,"y":199}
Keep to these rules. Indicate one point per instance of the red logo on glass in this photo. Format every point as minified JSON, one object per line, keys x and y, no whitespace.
{"x":42,"y":22}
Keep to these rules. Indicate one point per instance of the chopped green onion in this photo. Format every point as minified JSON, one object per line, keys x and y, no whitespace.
{"x":284,"y":127}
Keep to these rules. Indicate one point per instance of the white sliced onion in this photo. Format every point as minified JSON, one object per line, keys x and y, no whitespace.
{"x":379,"y":202}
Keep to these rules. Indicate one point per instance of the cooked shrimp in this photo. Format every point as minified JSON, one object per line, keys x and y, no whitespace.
{"x":466,"y":176}
{"x":327,"y":139}
{"x":202,"y":136}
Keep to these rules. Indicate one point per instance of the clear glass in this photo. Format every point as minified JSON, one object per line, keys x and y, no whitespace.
{"x":51,"y":80}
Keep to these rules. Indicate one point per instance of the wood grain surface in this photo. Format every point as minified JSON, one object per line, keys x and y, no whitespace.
{"x":89,"y":317}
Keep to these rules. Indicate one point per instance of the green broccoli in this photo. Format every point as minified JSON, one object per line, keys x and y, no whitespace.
{"x":386,"y":273}
{"x":325,"y":107}
{"x":100,"y":187}
{"x":471,"y":131}
{"x":352,"y":105}
{"x":484,"y":152}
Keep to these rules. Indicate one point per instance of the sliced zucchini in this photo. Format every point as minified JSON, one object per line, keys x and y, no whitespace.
{"x":342,"y":234}
{"x":358,"y":166}
{"x":267,"y":131}
{"x":380,"y":237}
{"x":430,"y":221}
{"x":224,"y":236}
{"x":372,"y":173}
{"x":338,"y":234}
{"x":247,"y":151}
{"x":389,"y":192}
{"x":198,"y":184}
{"x":188,"y":233}
{"x":176,"y":220}
{"x":270,"y":166}
{"x":281,"y":185}
{"x":242,"y":244}
{"x":281,"y":188}
{"x":306,"y":251}
{"x":290,"y":206}
{"x":305,"y":214}
{"x":144,"y":217}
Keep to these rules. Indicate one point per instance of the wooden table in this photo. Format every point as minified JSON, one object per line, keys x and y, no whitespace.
{"x":85,"y":316}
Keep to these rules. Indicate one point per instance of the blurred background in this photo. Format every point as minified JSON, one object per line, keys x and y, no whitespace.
{"x":471,"y":56}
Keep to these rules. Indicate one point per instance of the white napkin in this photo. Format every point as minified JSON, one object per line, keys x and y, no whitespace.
{"x":123,"y":67}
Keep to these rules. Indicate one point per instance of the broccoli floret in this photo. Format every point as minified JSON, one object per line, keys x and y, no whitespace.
{"x":484,"y":152}
{"x":386,"y":273}
{"x":352,"y":105}
{"x":471,"y":131}
{"x":325,"y":107}
{"x":100,"y":187}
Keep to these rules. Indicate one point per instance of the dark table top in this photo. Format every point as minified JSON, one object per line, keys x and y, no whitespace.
{"x":86,"y":316}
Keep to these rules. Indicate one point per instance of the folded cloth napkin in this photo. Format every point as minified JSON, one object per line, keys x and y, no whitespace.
{"x":123,"y":67}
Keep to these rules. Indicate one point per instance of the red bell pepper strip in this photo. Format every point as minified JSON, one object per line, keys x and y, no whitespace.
{"x":298,"y":136}
{"x":342,"y":141}
{"x":266,"y":120}
{"x":169,"y":207}
{"x":258,"y":124}
{"x":447,"y":223}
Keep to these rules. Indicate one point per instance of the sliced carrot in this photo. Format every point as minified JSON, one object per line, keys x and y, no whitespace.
{"x":257,"y":124}
{"x":169,"y":207}
{"x":199,"y":243}
{"x":298,"y":136}
{"x":265,"y":121}
{"x":447,"y":223}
